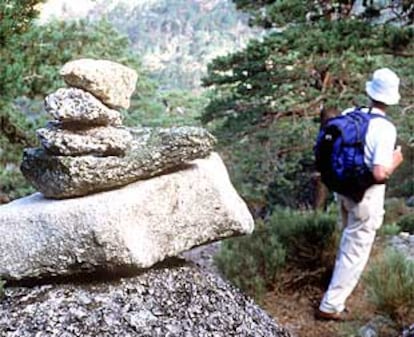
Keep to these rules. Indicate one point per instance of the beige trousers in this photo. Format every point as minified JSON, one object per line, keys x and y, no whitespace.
{"x":361,"y":221}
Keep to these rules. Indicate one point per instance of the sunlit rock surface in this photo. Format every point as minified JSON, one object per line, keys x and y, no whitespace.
{"x":109,"y":81}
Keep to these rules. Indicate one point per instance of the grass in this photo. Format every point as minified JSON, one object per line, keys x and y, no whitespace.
{"x":390,"y":283}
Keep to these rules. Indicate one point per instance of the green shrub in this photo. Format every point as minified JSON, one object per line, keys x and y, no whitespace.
{"x":390,"y":284}
{"x":389,"y":229}
{"x":306,"y":236}
{"x":395,"y":208}
{"x":406,"y":223}
{"x":254,"y":262}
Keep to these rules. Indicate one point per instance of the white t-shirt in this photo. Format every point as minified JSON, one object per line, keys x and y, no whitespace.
{"x":380,"y":139}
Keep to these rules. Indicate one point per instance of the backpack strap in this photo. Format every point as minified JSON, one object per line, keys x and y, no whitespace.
{"x":372,"y":114}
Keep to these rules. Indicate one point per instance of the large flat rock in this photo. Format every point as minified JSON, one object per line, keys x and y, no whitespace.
{"x":134,"y":226}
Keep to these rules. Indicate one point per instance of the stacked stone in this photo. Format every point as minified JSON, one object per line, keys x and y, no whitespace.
{"x":84,"y":121}
{"x":85,"y":149}
{"x":122,"y":231}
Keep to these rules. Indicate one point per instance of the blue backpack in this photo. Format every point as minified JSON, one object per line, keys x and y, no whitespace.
{"x":339,"y":154}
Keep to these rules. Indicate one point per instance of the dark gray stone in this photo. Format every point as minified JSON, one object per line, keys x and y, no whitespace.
{"x":152,"y":152}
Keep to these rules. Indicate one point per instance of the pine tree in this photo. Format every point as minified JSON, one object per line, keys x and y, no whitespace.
{"x":267,"y":98}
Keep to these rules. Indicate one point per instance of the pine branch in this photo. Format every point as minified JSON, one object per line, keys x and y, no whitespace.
{"x":13,"y":132}
{"x":399,"y":53}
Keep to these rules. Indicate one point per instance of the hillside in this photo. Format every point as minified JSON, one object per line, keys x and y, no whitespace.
{"x":176,"y":38}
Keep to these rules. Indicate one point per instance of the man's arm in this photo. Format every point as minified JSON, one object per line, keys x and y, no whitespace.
{"x":381,"y":173}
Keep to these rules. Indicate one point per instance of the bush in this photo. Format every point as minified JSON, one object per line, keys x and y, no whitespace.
{"x":390,"y":284}
{"x":406,"y":223}
{"x":307,"y":236}
{"x":254,"y":262}
{"x":395,"y":208}
{"x":389,"y":229}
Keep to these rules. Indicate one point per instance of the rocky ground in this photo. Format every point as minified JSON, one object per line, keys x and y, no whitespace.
{"x":174,"y":300}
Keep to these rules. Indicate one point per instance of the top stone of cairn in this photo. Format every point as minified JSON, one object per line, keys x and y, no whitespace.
{"x":111,"y":82}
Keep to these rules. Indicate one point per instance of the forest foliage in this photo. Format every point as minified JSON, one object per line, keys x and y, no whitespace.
{"x":390,"y":281}
{"x":264,"y":100}
{"x":177,"y":38}
{"x":268,"y":97}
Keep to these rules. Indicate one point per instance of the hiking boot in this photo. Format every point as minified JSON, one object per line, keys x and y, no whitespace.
{"x":332,"y":316}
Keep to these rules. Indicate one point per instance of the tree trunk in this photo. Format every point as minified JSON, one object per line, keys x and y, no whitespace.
{"x":321,"y":192}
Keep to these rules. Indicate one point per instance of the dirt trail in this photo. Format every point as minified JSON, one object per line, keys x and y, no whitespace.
{"x":295,"y":311}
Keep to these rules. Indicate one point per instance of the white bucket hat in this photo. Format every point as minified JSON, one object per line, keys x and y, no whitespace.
{"x":384,"y":87}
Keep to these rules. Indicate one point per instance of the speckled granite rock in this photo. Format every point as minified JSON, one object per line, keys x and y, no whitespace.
{"x":180,"y":300}
{"x":152,"y":152}
{"x":72,"y":105}
{"x":111,"y":82}
{"x":138,"y":225}
{"x":98,"y":141}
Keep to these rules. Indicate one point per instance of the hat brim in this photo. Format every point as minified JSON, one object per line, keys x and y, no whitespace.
{"x":386,"y":99}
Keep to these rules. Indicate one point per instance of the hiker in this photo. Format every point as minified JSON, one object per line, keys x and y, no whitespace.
{"x":360,"y":220}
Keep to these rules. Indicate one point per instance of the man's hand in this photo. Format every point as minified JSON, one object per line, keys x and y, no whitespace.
{"x":397,"y":158}
{"x":381,"y":173}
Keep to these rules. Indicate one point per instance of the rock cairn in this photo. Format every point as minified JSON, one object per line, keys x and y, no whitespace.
{"x":99,"y":245}
{"x":137,"y":222}
{"x":82,"y":126}
{"x":85,"y":149}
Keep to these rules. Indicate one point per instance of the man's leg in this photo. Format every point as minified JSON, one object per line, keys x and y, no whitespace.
{"x":357,"y":238}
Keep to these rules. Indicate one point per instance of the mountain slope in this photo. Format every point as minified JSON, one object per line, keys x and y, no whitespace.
{"x":176,"y":38}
